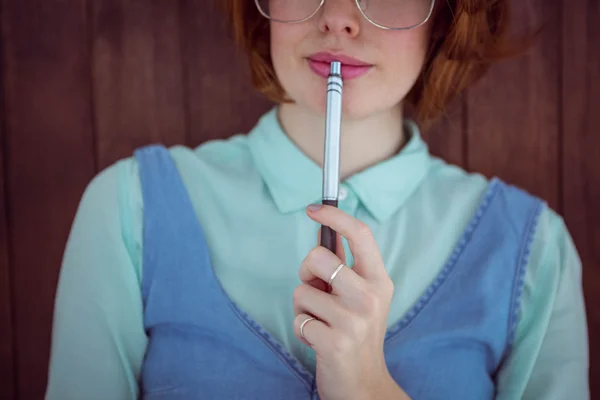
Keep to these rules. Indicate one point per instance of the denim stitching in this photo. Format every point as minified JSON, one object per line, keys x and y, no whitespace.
{"x":445,"y":272}
{"x":522,"y":261}
{"x":274,"y":345}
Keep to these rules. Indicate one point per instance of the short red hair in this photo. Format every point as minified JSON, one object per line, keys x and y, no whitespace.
{"x":466,"y":37}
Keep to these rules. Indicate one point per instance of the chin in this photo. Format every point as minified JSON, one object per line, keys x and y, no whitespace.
{"x":361,"y":97}
{"x":355,"y":105}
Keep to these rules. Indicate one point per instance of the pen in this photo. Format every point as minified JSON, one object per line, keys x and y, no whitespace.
{"x":331,"y":157}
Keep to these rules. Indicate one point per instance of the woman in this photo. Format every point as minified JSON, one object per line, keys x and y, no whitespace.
{"x":196,"y":273}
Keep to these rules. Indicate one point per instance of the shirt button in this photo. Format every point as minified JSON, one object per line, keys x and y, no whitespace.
{"x":343,"y":194}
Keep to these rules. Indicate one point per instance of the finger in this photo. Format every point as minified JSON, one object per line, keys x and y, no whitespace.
{"x":319,"y":284}
{"x":340,"y":251}
{"x":320,"y":263}
{"x":316,"y":333}
{"x":315,"y":282}
{"x":368,"y":262}
{"x":339,"y":248}
{"x":308,"y":300}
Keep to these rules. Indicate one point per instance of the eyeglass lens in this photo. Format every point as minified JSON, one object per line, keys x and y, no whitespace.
{"x":393,"y":14}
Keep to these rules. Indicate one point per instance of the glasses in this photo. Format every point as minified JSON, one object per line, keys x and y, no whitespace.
{"x":385,"y":14}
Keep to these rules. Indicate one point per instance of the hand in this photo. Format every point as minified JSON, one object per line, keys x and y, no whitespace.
{"x":351,"y":320}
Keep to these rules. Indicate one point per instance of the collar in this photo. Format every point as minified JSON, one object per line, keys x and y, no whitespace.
{"x":294,"y":180}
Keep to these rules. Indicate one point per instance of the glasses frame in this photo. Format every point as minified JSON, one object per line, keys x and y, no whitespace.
{"x":361,"y":11}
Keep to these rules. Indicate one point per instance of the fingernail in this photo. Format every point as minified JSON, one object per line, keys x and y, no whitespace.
{"x":315,"y":207}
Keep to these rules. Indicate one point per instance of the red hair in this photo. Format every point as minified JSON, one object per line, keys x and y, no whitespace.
{"x":467,"y":36}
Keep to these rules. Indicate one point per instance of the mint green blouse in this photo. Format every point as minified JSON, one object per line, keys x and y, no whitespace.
{"x":415,"y":204}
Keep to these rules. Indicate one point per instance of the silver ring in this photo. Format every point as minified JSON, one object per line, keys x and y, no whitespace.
{"x":304,"y":323}
{"x":337,"y":270}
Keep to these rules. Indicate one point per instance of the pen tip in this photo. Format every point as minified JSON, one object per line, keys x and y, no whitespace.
{"x":336,"y":68}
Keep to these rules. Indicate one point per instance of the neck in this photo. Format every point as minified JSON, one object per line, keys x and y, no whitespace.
{"x":364,"y":142}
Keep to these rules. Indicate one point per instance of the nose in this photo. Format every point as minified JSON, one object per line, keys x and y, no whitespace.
{"x":340,"y":17}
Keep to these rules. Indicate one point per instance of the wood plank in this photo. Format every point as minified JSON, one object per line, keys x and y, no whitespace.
{"x":220,"y":97}
{"x":513,"y":121}
{"x":581,"y":153}
{"x":137,"y":76}
{"x":49,"y":159}
{"x":7,"y":361}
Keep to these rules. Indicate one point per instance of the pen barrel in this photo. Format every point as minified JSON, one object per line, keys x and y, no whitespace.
{"x":328,"y":235}
{"x":333,"y":122}
{"x":331,"y":156}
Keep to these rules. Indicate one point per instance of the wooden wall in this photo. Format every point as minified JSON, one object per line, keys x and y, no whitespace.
{"x":85,"y":82}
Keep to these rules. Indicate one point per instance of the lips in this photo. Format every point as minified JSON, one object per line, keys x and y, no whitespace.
{"x":351,"y":67}
{"x":345,"y":60}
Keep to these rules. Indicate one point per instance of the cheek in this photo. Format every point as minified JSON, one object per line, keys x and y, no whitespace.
{"x":288,"y":47}
{"x":284,"y":41}
{"x":417,"y":46}
{"x":405,"y":59}
{"x":277,"y":45}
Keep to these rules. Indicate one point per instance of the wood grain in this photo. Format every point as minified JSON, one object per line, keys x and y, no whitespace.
{"x":137,"y":76}
{"x":513,"y":114}
{"x":220,"y":97}
{"x":7,"y":360}
{"x":49,"y":159}
{"x":581,"y":152}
